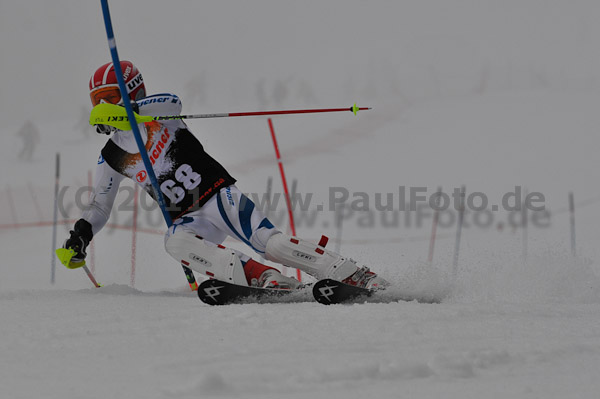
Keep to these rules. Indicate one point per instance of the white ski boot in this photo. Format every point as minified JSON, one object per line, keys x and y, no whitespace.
{"x":273,"y":279}
{"x":365,"y":278}
{"x":319,"y":262}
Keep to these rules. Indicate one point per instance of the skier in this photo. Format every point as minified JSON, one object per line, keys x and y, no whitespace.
{"x":201,"y":197}
{"x":31,"y":137}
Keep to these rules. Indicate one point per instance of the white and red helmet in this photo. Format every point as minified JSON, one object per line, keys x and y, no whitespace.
{"x":105,"y":88}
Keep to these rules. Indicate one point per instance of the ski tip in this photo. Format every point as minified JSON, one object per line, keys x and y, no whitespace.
{"x":331,"y":292}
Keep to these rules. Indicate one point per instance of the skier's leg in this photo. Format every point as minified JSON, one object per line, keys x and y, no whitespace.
{"x":232,"y":212}
{"x":319,"y":262}
{"x":195,"y":242}
{"x":238,"y":215}
{"x":202,"y":256}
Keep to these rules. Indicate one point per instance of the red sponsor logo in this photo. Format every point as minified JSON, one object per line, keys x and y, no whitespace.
{"x":159,"y":146}
{"x":141,"y":176}
{"x":217,"y":184}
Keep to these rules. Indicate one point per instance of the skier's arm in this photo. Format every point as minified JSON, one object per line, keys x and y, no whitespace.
{"x":96,"y":215}
{"x":106,"y":187}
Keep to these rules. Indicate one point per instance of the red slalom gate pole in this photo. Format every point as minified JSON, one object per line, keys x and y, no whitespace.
{"x":285,"y":188}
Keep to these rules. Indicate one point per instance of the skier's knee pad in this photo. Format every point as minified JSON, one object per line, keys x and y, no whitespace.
{"x":203,"y":257}
{"x":308,"y":257}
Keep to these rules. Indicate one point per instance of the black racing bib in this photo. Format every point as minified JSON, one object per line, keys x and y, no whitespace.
{"x":188,"y":177}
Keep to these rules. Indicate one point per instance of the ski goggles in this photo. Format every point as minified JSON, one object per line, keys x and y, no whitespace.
{"x":108,"y":94}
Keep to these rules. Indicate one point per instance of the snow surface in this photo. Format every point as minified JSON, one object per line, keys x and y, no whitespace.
{"x":487,"y":94}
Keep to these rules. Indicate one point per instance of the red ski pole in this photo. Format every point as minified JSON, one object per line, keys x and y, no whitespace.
{"x":353,"y":109}
{"x":91,"y":277}
{"x":115,"y":115}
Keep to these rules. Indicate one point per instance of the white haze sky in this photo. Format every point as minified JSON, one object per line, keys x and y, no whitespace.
{"x":345,"y":51}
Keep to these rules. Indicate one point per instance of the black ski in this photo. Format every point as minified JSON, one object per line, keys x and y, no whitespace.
{"x":216,"y":292}
{"x":330,"y":292}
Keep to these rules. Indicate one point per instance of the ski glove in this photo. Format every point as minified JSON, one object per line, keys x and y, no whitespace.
{"x":81,"y":235}
{"x":105,"y":129}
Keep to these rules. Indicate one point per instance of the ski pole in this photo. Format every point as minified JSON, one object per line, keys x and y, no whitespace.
{"x":66,"y":254}
{"x":91,"y":277}
{"x":116,"y":116}
{"x":354,"y":109}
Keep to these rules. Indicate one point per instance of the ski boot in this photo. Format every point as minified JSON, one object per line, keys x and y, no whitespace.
{"x":365,"y":278}
{"x":273,"y":279}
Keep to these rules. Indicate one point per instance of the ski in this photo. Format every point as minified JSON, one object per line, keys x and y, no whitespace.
{"x":329,"y":292}
{"x":217,"y":292}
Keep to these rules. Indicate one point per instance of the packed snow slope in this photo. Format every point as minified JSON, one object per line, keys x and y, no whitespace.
{"x":497,"y":97}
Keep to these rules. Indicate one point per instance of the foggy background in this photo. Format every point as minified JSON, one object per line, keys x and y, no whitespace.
{"x":487,"y":94}
{"x":341,"y":52}
{"x":492,"y":95}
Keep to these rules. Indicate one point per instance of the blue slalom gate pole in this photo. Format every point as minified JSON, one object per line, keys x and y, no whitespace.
{"x":112,"y":45}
